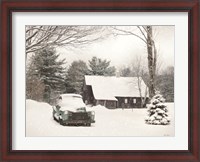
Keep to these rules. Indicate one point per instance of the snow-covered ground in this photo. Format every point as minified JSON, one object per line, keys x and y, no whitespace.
{"x":118,"y":122}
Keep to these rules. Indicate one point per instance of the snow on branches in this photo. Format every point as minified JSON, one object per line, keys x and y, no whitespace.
{"x":157,"y":111}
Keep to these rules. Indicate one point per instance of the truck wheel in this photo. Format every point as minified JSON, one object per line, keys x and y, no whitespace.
{"x":61,"y":122}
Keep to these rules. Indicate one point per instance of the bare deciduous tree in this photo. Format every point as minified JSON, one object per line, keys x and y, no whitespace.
{"x":138,"y":71}
{"x":144,"y":33}
{"x":40,"y":37}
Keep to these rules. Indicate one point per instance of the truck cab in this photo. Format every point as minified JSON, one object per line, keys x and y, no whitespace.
{"x":71,"y":110}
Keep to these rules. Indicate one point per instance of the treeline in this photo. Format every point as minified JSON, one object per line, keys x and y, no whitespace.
{"x":164,"y":81}
{"x":78,"y":69}
{"x":46,"y":76}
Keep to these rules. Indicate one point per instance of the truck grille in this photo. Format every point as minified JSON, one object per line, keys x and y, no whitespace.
{"x":79,"y":116}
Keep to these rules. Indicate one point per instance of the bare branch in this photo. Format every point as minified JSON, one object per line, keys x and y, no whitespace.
{"x":39,"y":37}
{"x":126,"y":32}
{"x":142,"y":33}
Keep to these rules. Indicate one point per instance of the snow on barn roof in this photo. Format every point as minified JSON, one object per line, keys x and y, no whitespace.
{"x":109,"y":87}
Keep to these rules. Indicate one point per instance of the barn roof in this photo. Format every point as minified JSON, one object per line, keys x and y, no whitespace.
{"x":109,"y":87}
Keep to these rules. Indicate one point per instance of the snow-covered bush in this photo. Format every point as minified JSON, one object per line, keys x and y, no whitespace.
{"x":157,"y":111}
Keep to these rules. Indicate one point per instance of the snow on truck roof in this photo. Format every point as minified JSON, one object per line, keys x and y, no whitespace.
{"x":71,"y":102}
{"x":110,"y":87}
{"x":71,"y":95}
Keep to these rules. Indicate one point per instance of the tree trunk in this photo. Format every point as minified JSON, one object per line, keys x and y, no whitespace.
{"x":151,"y":61}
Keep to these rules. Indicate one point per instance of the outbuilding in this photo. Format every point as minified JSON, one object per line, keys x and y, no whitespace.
{"x":115,"y":92}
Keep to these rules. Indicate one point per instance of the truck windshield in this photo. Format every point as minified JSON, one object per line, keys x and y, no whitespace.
{"x":81,"y":109}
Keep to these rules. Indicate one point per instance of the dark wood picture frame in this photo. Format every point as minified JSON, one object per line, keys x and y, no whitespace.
{"x":189,"y":6}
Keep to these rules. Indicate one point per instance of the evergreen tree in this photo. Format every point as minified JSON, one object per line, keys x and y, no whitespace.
{"x":49,"y":69}
{"x":75,"y":77}
{"x":125,"y":72}
{"x":157,"y":111}
{"x":34,"y":86}
{"x":101,"y":67}
{"x":165,"y":83}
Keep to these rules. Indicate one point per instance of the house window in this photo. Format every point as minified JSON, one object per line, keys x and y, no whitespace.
{"x":126,"y":100}
{"x":134,"y":100}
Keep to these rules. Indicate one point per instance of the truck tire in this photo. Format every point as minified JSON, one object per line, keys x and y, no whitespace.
{"x":61,"y":122}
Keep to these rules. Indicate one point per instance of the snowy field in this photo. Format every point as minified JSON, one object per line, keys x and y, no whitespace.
{"x":118,"y":122}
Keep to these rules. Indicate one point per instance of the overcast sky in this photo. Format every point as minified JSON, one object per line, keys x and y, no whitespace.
{"x":121,"y":50}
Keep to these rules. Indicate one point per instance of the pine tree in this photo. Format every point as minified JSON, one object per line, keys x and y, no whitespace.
{"x":101,"y":67}
{"x":75,"y":77}
{"x":125,"y":72}
{"x":157,"y":111}
{"x":49,"y":69}
{"x":165,"y":83}
{"x":34,"y":86}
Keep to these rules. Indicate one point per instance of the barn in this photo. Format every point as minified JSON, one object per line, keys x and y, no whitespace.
{"x":114,"y":92}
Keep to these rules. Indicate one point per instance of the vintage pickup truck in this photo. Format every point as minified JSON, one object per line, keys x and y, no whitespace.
{"x":71,"y":110}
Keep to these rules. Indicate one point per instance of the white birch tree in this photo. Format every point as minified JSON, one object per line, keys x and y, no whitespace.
{"x":146,"y":35}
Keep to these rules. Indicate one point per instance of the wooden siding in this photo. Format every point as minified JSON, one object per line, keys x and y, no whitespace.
{"x":129,"y":102}
{"x":88,"y":96}
{"x":123,"y":102}
{"x":107,"y":103}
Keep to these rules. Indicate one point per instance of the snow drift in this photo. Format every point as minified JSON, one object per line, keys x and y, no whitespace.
{"x":117,"y":122}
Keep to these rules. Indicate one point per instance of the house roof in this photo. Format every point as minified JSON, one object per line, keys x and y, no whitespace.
{"x":110,"y":87}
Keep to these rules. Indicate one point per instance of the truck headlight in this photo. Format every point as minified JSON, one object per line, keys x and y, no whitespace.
{"x":93,"y":113}
{"x":66,"y":112}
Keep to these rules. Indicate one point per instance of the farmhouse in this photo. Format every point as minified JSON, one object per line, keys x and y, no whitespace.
{"x":114,"y":92}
